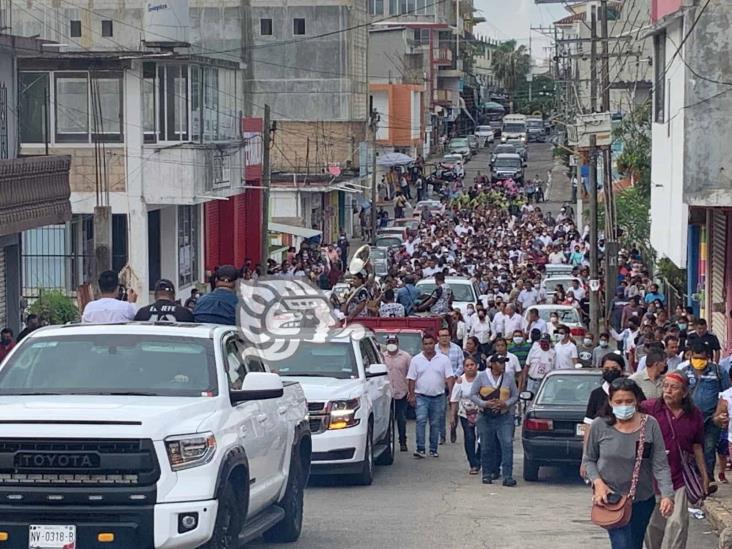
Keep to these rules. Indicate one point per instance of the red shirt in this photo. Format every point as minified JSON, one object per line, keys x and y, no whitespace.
{"x":5,"y":349}
{"x":689,"y":429}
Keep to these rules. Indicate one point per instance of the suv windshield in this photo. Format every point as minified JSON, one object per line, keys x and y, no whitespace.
{"x":483,"y":129}
{"x":505,"y":149}
{"x":109,"y":364}
{"x":508,"y":163}
{"x":514,"y":128}
{"x":459,"y":143}
{"x":568,"y":390}
{"x":332,"y":359}
{"x":535,"y":124}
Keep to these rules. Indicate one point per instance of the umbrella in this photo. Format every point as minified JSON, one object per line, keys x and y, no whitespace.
{"x":394,"y":159}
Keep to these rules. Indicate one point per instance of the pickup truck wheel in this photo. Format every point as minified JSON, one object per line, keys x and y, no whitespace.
{"x":289,"y":528}
{"x":228,"y":521}
{"x":366,"y":476}
{"x":387,"y":456}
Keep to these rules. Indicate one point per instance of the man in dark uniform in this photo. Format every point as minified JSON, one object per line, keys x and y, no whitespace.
{"x":165,"y":309}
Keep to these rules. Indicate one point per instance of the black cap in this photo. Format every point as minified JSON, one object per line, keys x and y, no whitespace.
{"x":392,"y":338}
{"x":498,"y":358}
{"x":546,"y":337}
{"x":227,"y":273}
{"x":164,"y":285}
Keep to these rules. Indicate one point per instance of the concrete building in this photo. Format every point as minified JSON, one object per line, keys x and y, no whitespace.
{"x":630,"y":55}
{"x":34,"y":190}
{"x":148,"y":102}
{"x":691,"y":191}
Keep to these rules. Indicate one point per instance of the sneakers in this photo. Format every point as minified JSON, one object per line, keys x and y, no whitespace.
{"x":474,"y":471}
{"x":509,"y":482}
{"x":419,"y":454}
{"x":403,"y":447}
{"x":487,"y":480}
{"x":434,"y":454}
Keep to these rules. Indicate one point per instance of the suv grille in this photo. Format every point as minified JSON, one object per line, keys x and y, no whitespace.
{"x":78,"y":462}
{"x":319,"y":417}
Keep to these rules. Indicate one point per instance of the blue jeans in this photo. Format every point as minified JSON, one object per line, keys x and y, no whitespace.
{"x":443,"y":417}
{"x":711,"y":439}
{"x":498,"y":427}
{"x":470,"y":441}
{"x":631,"y":535}
{"x":400,"y":410}
{"x":429,"y":408}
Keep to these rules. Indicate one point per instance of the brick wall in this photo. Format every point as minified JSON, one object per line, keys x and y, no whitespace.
{"x":82,"y":176}
{"x":298,"y":145}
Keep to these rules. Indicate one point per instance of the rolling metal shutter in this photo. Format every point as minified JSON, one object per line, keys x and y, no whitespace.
{"x":717,"y":261}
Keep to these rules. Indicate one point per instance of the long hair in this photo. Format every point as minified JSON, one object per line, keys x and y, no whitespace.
{"x":621,"y":384}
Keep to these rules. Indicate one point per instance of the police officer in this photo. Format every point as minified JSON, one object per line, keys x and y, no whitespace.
{"x":219,"y":306}
{"x":165,"y":309}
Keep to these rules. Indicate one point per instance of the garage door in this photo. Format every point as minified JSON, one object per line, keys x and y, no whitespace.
{"x":717,"y":261}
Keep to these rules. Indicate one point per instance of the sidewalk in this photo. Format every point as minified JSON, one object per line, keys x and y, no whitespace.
{"x":718,"y":509}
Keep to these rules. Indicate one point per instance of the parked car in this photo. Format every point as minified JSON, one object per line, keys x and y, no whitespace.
{"x":379,"y":258}
{"x":155,"y":435}
{"x":388,"y":240}
{"x":407,"y":222}
{"x":507,"y":166}
{"x":553,"y":429}
{"x":485,"y":135}
{"x":460,"y":145}
{"x":349,"y":404}
{"x":502,"y":149}
{"x":454,"y":162}
{"x":464,"y":292}
{"x":568,"y":315}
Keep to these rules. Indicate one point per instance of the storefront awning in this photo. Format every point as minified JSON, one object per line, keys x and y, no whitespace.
{"x":293,"y":230}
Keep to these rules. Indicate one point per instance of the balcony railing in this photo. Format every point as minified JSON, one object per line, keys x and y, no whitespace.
{"x":443,"y":56}
{"x":443,"y":96}
{"x":34,"y":191}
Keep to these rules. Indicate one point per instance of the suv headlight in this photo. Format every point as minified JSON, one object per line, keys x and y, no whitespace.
{"x":343,"y":414}
{"x":187,"y":451}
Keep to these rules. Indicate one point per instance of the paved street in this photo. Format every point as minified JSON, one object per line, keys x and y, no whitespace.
{"x":435,"y":503}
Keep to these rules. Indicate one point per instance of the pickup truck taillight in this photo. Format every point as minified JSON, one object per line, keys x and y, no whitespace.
{"x":531,"y":424}
{"x":578,"y":331}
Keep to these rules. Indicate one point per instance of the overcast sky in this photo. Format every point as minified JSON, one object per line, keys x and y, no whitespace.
{"x":513,"y":18}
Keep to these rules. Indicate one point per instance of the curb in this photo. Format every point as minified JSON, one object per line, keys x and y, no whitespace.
{"x":721,"y":518}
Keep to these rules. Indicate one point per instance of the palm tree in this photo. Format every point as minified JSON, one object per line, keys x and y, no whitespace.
{"x":511,"y":64}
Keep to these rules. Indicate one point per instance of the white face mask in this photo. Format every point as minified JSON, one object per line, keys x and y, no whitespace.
{"x":518,"y":340}
{"x":392,"y":347}
{"x":603,"y":343}
{"x":588,"y":342}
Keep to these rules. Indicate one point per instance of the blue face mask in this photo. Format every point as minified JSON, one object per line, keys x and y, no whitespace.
{"x":624,"y":412}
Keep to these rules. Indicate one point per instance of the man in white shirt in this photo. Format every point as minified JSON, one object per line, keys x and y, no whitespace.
{"x":528,"y":296}
{"x":429,"y":374}
{"x":108,"y":309}
{"x":512,"y":321}
{"x":577,"y":291}
{"x":541,"y":361}
{"x":566,"y":350}
{"x":481,"y":328}
{"x":534,"y":322}
{"x":557,"y":257}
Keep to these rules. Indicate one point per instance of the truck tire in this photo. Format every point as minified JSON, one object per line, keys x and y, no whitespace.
{"x":387,"y":456}
{"x":229,"y":521}
{"x":290,"y":527}
{"x":531,"y":470}
{"x":366,"y":476}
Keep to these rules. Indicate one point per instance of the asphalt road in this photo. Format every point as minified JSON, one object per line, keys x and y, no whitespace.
{"x":435,"y":503}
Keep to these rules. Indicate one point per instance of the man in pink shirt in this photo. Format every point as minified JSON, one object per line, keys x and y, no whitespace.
{"x":397,"y":362}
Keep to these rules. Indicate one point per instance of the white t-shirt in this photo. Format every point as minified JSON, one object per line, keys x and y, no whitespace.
{"x":107,"y":310}
{"x":540,"y":362}
{"x":430,"y":375}
{"x":566,"y":355}
{"x":512,"y":323}
{"x":513,"y":366}
{"x":461,"y":393}
{"x":481,"y":330}
{"x":727,"y":395}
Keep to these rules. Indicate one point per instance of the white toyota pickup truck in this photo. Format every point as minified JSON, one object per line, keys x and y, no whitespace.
{"x":145,"y":436}
{"x":349,"y":401}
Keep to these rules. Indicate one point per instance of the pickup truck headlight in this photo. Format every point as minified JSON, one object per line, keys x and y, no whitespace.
{"x":343,"y":414}
{"x":187,"y":451}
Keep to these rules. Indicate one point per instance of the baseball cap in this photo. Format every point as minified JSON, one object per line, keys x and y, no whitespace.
{"x":164,"y":285}
{"x":498,"y":358}
{"x":546,"y":337}
{"x":227,"y":273}
{"x":392,"y":338}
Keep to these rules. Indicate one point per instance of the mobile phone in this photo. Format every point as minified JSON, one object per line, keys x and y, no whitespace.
{"x":613,"y":498}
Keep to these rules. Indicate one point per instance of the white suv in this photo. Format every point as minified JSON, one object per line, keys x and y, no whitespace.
{"x":147,"y":435}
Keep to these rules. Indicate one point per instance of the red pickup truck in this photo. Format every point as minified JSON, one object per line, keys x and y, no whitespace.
{"x":410,"y":329}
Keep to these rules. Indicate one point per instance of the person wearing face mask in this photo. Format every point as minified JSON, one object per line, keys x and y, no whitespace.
{"x":482,"y":329}
{"x":541,"y":361}
{"x":565,"y":348}
{"x":553,"y":324}
{"x":706,"y":382}
{"x":650,"y":379}
{"x":464,"y":410}
{"x":601,"y":350}
{"x":397,"y":363}
{"x":610,"y":459}
{"x":585,"y":350}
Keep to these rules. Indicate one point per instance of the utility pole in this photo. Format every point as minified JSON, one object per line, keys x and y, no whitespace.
{"x":594,"y":292}
{"x":593,"y":61}
{"x":266,"y":184}
{"x":373,"y":125}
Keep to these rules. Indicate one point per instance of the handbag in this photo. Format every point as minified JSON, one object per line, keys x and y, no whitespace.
{"x":617,"y":515}
{"x":692,"y":481}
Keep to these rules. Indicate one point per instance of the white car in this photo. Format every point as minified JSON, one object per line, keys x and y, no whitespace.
{"x":464,"y":292}
{"x":550,"y":284}
{"x":148,"y":435}
{"x":349,"y":403}
{"x":485,"y":135}
{"x":568,"y":315}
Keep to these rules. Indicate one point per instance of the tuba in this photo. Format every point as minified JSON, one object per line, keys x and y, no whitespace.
{"x":360,"y":260}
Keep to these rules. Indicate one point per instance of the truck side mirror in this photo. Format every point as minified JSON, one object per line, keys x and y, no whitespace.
{"x":258,"y":386}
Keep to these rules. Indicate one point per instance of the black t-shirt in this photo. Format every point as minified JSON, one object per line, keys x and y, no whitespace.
{"x":596,"y":404}
{"x":710,"y":342}
{"x":164,"y":310}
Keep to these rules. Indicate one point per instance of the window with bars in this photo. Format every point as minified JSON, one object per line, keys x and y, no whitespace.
{"x":188,"y":231}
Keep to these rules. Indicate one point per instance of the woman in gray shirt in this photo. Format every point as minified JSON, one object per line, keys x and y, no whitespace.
{"x":609,"y":459}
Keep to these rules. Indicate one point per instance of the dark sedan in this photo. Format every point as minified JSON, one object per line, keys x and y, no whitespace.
{"x":552,"y":431}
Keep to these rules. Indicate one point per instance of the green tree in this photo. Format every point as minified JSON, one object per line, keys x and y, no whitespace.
{"x":635,"y":161}
{"x":511,"y":64}
{"x":541,"y":99}
{"x":54,"y":307}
